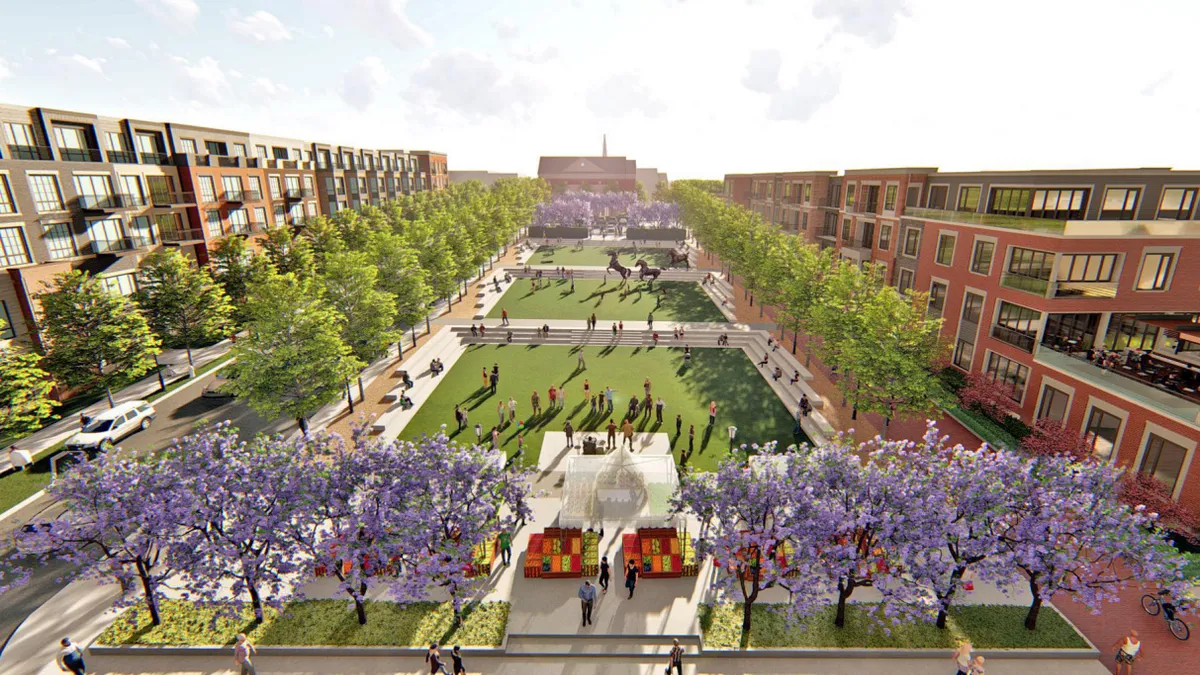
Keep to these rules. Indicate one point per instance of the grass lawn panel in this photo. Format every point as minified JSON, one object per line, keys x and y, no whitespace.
{"x":986,"y":626}
{"x":314,"y":622}
{"x":568,"y":255}
{"x":727,"y":376}
{"x":669,"y":301}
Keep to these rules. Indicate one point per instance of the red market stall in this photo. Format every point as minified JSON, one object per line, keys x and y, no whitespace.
{"x":659,"y":553}
{"x":562,"y":553}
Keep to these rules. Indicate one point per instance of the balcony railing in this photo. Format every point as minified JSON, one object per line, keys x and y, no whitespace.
{"x":293,"y":194}
{"x":1016,"y":338}
{"x":100,"y":246}
{"x":239,"y":228}
{"x":1085,"y":289}
{"x":1021,"y":282}
{"x":168,"y":199}
{"x":110,"y":202}
{"x":235,"y":196}
{"x":80,"y":155}
{"x":175,"y":236}
{"x":252,"y":195}
{"x":122,"y":157}
{"x":1044,"y":225}
{"x":306,"y":193}
{"x":30,"y":152}
{"x":156,"y":158}
{"x":1131,"y":384}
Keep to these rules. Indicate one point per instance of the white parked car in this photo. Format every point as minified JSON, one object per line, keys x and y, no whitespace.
{"x":112,"y":425}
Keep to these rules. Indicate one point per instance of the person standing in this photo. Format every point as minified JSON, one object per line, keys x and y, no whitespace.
{"x":977,"y":666}
{"x":646,"y":386}
{"x":608,"y":396}
{"x":631,"y":577}
{"x":593,"y":321}
{"x":1129,"y":649}
{"x":621,"y":327}
{"x":962,"y":658}
{"x":805,"y":406}
{"x":456,"y":657}
{"x":691,"y":439}
{"x":242,"y":651}
{"x":627,"y":430}
{"x":582,"y":363}
{"x":676,"y":659}
{"x":650,"y":321}
{"x":520,"y":443}
{"x":535,"y":403}
{"x":504,"y":316}
{"x":678,"y":424}
{"x":70,"y":657}
{"x":494,"y":379}
{"x":659,"y":405}
{"x":500,"y":411}
{"x":495,"y":438}
{"x":504,"y":543}
{"x":485,"y":376}
{"x":647,"y":405}
{"x":458,"y":417}
{"x":434,"y":659}
{"x":604,"y":573}
{"x":712,"y":413}
{"x":587,"y":598}
{"x":612,"y":434}
{"x":562,"y":397}
{"x":587,"y":389}
{"x":512,"y":409}
{"x":552,"y":395}
{"x":570,"y":431}
{"x":614,"y":330}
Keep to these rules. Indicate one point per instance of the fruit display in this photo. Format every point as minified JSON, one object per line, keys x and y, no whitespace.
{"x":656,"y":551}
{"x":591,"y":554}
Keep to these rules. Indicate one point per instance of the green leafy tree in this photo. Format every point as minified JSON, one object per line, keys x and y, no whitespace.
{"x":233,"y":267}
{"x":401,"y":275}
{"x":640,"y":189}
{"x":368,"y":314}
{"x":94,"y":336}
{"x":181,"y":301}
{"x":323,"y":238}
{"x":288,"y":253}
{"x":293,"y":360}
{"x":25,"y":401}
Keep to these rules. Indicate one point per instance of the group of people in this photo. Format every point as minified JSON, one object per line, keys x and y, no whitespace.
{"x":587,"y":603}
{"x":434,"y":658}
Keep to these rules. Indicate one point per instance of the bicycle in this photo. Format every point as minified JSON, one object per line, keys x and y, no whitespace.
{"x":1153,"y":605}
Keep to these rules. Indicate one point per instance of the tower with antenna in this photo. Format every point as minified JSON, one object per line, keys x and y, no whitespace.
{"x":604,"y":147}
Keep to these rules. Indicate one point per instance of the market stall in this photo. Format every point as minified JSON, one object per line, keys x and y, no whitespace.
{"x":660,"y":553}
{"x":562,"y":553}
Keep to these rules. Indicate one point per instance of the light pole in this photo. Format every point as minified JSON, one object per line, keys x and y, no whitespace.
{"x":162,"y":384}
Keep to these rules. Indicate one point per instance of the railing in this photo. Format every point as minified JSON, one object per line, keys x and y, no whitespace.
{"x":306,"y":193}
{"x":1085,"y":289}
{"x":80,"y":155}
{"x":109,"y":202}
{"x":236,"y":196}
{"x":229,"y":162}
{"x":194,"y":234}
{"x":827,"y":231}
{"x":1045,"y":225}
{"x":252,"y":195}
{"x":100,"y":246}
{"x":122,"y":157}
{"x":1016,"y":338}
{"x":165,"y":199}
{"x":1133,"y":383}
{"x":30,"y":152}
{"x":1021,"y":282}
{"x":292,"y":194}
{"x":341,"y":191}
{"x":239,"y":228}
{"x":156,"y":158}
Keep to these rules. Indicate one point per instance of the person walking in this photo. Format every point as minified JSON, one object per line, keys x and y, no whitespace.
{"x":612,"y":434}
{"x":608,"y":396}
{"x":243,"y":650}
{"x":805,"y":406}
{"x":478,"y":431}
{"x":456,"y":657}
{"x":647,"y":404}
{"x":520,"y":443}
{"x":650,"y":321}
{"x":675,"y":661}
{"x":474,"y":331}
{"x":604,"y":573}
{"x":620,"y":327}
{"x":495,"y":438}
{"x":434,"y":659}
{"x":962,"y":658}
{"x":646,"y":386}
{"x":631,"y":577}
{"x":552,"y":396}
{"x":504,"y":544}
{"x":678,"y":424}
{"x":70,"y":657}
{"x":582,"y":363}
{"x":587,"y":599}
{"x":512,"y":409}
{"x":712,"y":413}
{"x":500,"y":410}
{"x":535,"y":403}
{"x":691,"y":439}
{"x":593,"y":412}
{"x":504,"y":316}
{"x":593,"y":320}
{"x":1128,"y":649}
{"x":659,"y":405}
{"x":570,"y":431}
{"x":614,"y":330}
{"x":627,"y":430}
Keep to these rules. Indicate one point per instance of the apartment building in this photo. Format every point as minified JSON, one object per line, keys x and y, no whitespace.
{"x":81,"y":191}
{"x":431,"y":167}
{"x":1077,"y":292}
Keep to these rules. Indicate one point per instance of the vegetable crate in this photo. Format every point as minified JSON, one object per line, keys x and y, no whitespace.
{"x":656,"y":551}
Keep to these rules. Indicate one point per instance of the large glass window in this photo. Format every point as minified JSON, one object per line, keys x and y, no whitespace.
{"x":1062,"y":328}
{"x":216,"y":148}
{"x":122,"y":284}
{"x":278,"y":215}
{"x":141,"y":231}
{"x":1102,"y":429}
{"x":1010,"y":201}
{"x":1156,"y":271}
{"x":847,"y":230}
{"x":72,"y":143}
{"x":964,"y":351}
{"x":308,"y":184}
{"x":276,"y":192}
{"x":7,"y":205}
{"x":905,"y":281}
{"x":131,"y":187}
{"x":1007,"y":373}
{"x":13,"y":250}
{"x":1087,"y":267}
{"x":889,"y":197}
{"x":945,"y":249}
{"x":937,"y":196}
{"x":1017,"y":325}
{"x":850,"y":196}
{"x":106,"y":235}
{"x":293,"y":185}
{"x":239,"y":221}
{"x":208,"y":190}
{"x":1120,"y":204}
{"x":981,"y":257}
{"x":937,"y":297}
{"x":189,"y":145}
{"x":212,"y":222}
{"x":1163,"y":460}
{"x":1031,"y":268}
{"x":255,"y":188}
{"x":1177,"y":203}
{"x":912,"y":242}
{"x":162,"y":189}
{"x":169,"y":225}
{"x":1054,"y":404}
{"x":22,"y":136}
{"x":807,"y":193}
{"x":260,"y":216}
{"x":885,"y":236}
{"x":968,"y":198}
{"x":94,"y":191}
{"x":60,"y":241}
{"x":972,"y":307}
{"x":1126,"y":332}
{"x":1059,"y":204}
{"x":232,"y":185}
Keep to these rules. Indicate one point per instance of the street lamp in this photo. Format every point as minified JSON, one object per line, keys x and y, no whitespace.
{"x":732,"y":436}
{"x":162,"y":383}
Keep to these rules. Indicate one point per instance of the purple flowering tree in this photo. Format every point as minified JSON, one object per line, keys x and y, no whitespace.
{"x":118,"y":524}
{"x":659,"y":214}
{"x":1070,"y":534}
{"x":565,"y":211}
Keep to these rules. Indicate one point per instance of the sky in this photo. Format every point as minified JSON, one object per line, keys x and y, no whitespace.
{"x":695,"y":88}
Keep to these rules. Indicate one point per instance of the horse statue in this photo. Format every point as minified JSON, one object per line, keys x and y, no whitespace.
{"x":647,"y":271}
{"x":615,"y":265}
{"x":678,"y":256}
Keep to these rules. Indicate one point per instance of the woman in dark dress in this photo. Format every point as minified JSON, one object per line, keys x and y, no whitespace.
{"x":631,"y":576}
{"x":604,"y":573}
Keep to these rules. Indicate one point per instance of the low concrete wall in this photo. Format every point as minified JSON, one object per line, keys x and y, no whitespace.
{"x":656,"y":233}
{"x":542,"y":232}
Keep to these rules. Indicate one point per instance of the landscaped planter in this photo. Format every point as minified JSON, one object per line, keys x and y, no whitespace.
{"x":656,"y":233}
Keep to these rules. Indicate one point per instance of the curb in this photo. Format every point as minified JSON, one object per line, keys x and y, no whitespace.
{"x":27,"y":501}
{"x":281,"y":651}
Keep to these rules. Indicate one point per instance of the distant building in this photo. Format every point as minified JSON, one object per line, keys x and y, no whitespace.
{"x":485,"y":177}
{"x":650,"y":178}
{"x":595,"y":174}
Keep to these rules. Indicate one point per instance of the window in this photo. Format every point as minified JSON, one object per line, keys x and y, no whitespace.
{"x":169,"y":224}
{"x":972,"y":307}
{"x":1156,"y":271}
{"x":308,"y":184}
{"x":278,"y":215}
{"x":60,"y":241}
{"x":239,"y":149}
{"x":293,"y":185}
{"x":912,"y":197}
{"x":1030,"y":270}
{"x":905,"y":282}
{"x":945,"y":249}
{"x":21,"y":136}
{"x":232,"y":185}
{"x":968,"y":198}
{"x":1087,"y":267}
{"x":1008,"y":374}
{"x":938,"y":195}
{"x":239,"y":221}
{"x":141,"y":231}
{"x":131,"y":186}
{"x":255,"y":188}
{"x":7,"y":205}
{"x":981,"y":257}
{"x":208,"y":190}
{"x":261,"y":151}
{"x":260,"y":215}
{"x":866,"y":235}
{"x":912,"y":242}
{"x":216,"y":148}
{"x":279,"y":153}
{"x":1054,"y":404}
{"x":964,"y":351}
{"x":116,"y":140}
{"x":122,"y":284}
{"x":1177,"y":203}
{"x":296,"y":213}
{"x":1101,"y":431}
{"x":1010,"y":201}
{"x":804,"y":221}
{"x":807,"y":193}
{"x":189,"y":145}
{"x":94,"y":191}
{"x":162,"y":189}
{"x":1075,"y":326}
{"x":7,"y":331}
{"x":885,"y":237}
{"x":276,"y":192}
{"x":1059,"y":204}
{"x":72,"y":143}
{"x":1120,"y":203}
{"x":850,"y":196}
{"x":1126,"y":332}
{"x":13,"y":250}
{"x":147,"y":143}
{"x":106,"y":235}
{"x":937,"y":297}
{"x":847,"y":230}
{"x":311,"y":209}
{"x":870,"y":198}
{"x":212,"y":222}
{"x":1017,"y":325}
{"x":889,"y":197}
{"x":1163,"y":460}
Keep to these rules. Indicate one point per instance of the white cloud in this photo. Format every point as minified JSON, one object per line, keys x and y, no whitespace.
{"x":814,"y":88}
{"x":51,"y":51}
{"x":261,"y":25}
{"x":172,"y":11}
{"x":388,"y":18}
{"x":235,"y":74}
{"x":762,"y":72}
{"x":872,"y":20}
{"x":623,"y":94}
{"x":328,"y":30}
{"x":505,"y":28}
{"x":543,"y":55}
{"x":266,"y":87}
{"x":203,"y":79}
{"x":5,"y":70}
{"x":153,"y":46}
{"x":95,"y":65}
{"x":119,"y":43}
{"x":361,"y":83}
{"x":472,"y":85}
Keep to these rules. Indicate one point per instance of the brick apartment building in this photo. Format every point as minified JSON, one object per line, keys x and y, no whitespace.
{"x":1030,"y":270}
{"x":79,"y":191}
{"x":597,"y":174}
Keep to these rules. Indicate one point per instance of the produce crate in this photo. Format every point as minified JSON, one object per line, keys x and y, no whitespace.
{"x":485,"y":555}
{"x":689,"y":563}
{"x":661,"y":553}
{"x":533,"y":557}
{"x":591,"y":554}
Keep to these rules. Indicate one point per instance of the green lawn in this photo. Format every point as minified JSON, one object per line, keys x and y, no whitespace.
{"x":725,"y":375}
{"x":570,"y":255}
{"x":669,"y":301}
{"x":986,"y":626}
{"x":314,"y":622}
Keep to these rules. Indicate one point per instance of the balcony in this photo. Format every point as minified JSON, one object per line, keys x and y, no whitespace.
{"x":155,"y":158}
{"x":1016,"y":338}
{"x":1126,"y":381}
{"x":252,"y":195}
{"x":1085,"y":289}
{"x":1020,"y":282}
{"x":37,"y":153}
{"x":80,"y":155}
{"x":113,"y":202}
{"x":235,"y":196}
{"x":162,"y":200}
{"x":244,"y":228}
{"x":177,"y":236}
{"x":120,"y":244}
{"x":293,"y":194}
{"x":1025,"y":224}
{"x":122,"y":157}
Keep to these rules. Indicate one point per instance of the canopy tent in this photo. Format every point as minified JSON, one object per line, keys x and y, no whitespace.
{"x":619,"y":488}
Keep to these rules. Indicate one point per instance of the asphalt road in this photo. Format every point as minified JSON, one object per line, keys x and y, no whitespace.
{"x":178,"y":415}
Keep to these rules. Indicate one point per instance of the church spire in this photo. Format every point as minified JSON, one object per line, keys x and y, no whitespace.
{"x":604,"y":150}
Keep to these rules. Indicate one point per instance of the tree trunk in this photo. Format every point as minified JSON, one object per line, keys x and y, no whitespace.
{"x":255,"y":602}
{"x":188,"y":347}
{"x":360,"y":608}
{"x":108,"y":393}
{"x":844,"y":590}
{"x":350,"y":396}
{"x":795,"y":337}
{"x":944,"y":601}
{"x":362,"y":391}
{"x":303,"y":423}
{"x":427,"y":329}
{"x":148,"y":590}
{"x":1035,"y":607}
